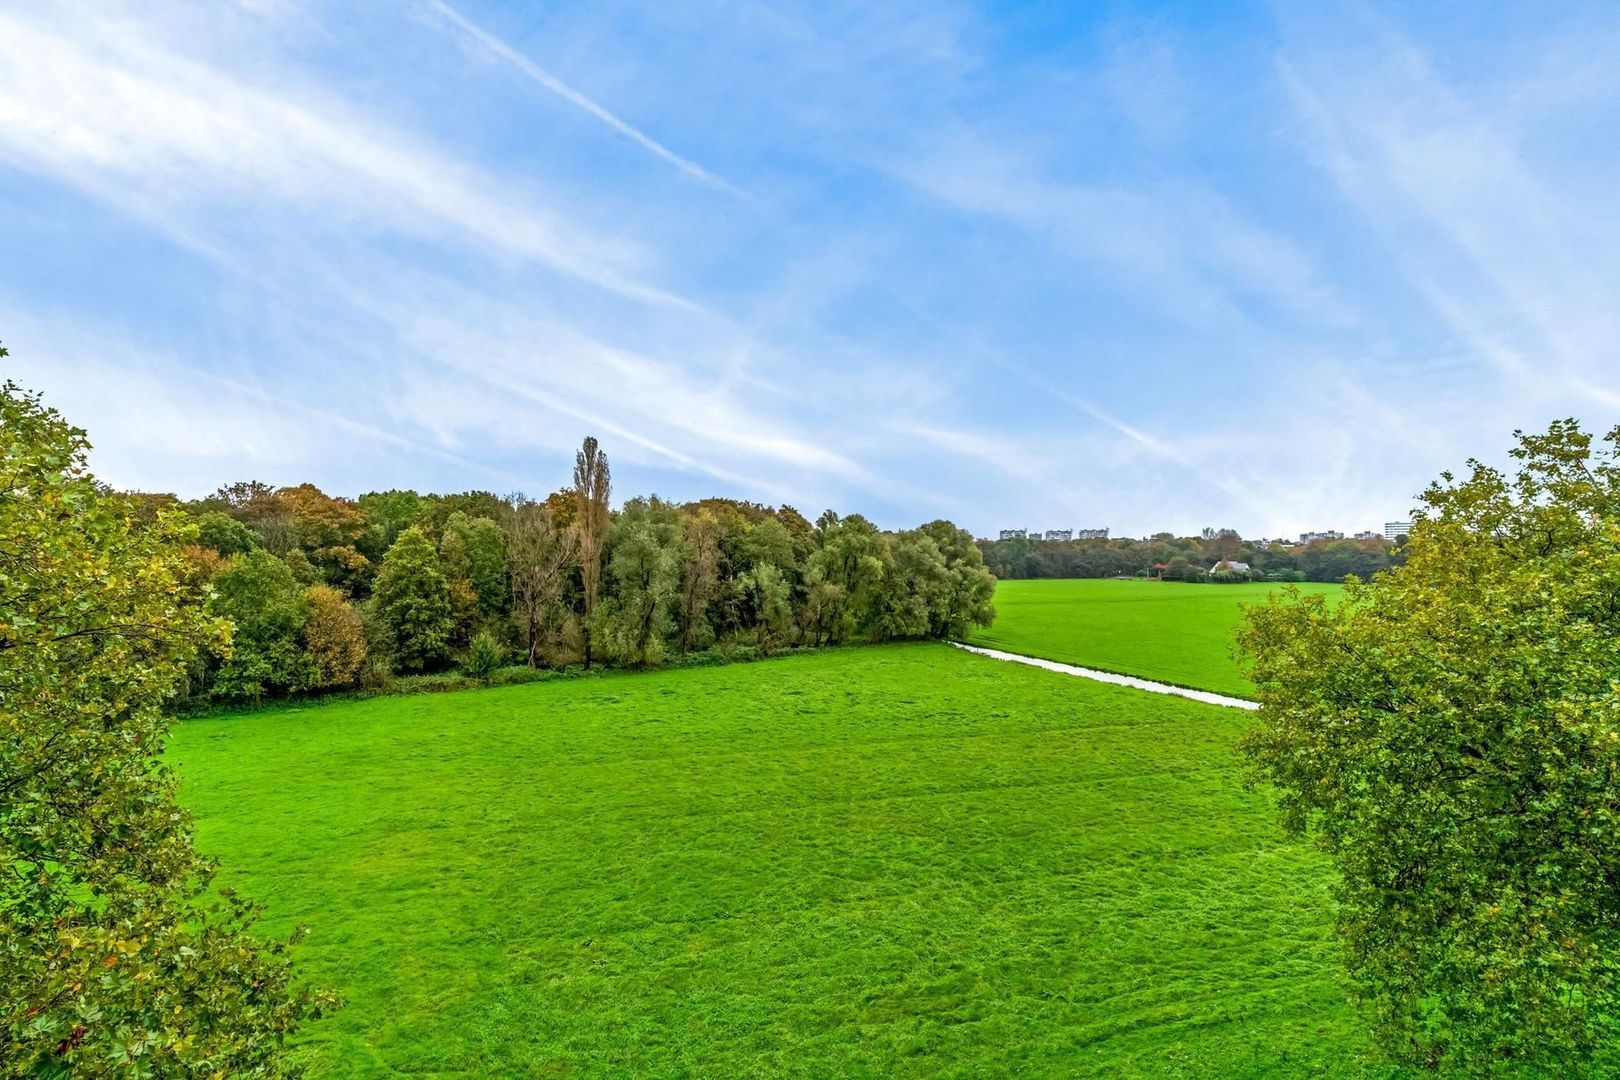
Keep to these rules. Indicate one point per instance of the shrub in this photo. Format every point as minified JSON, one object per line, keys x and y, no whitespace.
{"x":517,"y":674}
{"x":484,"y":655}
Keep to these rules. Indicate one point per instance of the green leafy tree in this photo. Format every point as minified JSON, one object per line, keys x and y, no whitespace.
{"x":224,"y":534}
{"x":267,"y":609}
{"x":1450,"y":733}
{"x":387,"y":513}
{"x":593,"y":484}
{"x":413,"y":602}
{"x":540,"y":552}
{"x":767,"y":598}
{"x":970,"y":587}
{"x":700,"y":540}
{"x":843,"y":573}
{"x":643,"y":568}
{"x":303,"y":571}
{"x":912,"y":596}
{"x":112,"y":963}
{"x":474,"y":550}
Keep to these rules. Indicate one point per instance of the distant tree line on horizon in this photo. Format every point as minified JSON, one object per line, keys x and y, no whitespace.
{"x":1207,"y":557}
{"x":327,"y":593}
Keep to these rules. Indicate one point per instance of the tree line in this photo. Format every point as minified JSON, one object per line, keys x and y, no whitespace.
{"x":1189,"y":558}
{"x":325,"y":592}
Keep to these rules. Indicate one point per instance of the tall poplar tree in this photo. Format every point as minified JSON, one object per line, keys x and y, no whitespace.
{"x":593,"y":483}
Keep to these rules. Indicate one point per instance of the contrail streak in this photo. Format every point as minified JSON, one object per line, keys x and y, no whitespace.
{"x":572,"y":96}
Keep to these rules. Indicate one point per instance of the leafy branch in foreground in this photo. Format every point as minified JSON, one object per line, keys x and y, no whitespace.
{"x":114,"y":960}
{"x":1450,"y":733}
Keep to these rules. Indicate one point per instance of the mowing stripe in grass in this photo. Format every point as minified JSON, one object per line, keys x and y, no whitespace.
{"x":1109,"y":677}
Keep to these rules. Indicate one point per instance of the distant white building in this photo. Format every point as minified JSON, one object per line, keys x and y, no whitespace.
{"x":1013,"y":534}
{"x":1392,"y":529}
{"x":1368,"y":534}
{"x":1091,"y":534}
{"x":1327,"y":534}
{"x":1060,"y":534}
{"x":1230,"y":566}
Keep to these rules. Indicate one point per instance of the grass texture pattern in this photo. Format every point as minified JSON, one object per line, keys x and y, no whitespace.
{"x":903,"y":861}
{"x":1168,"y":631}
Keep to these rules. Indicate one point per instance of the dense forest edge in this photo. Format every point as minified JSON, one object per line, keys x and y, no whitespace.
{"x":400,"y":591}
{"x":1216,"y":556}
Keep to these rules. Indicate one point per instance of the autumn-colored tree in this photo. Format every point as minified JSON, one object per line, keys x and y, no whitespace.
{"x":1450,"y":734}
{"x":334,"y":638}
{"x":112,"y":960}
{"x":593,"y":483}
{"x":328,"y":530}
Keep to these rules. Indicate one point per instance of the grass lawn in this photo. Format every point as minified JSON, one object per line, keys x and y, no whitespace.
{"x":892,"y":862}
{"x":1170,"y":631}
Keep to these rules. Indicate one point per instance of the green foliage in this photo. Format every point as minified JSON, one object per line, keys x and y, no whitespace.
{"x":969,"y":587}
{"x":412,"y":600}
{"x":110,"y":963}
{"x":766,"y":542}
{"x":912,"y":596}
{"x":303,"y":571}
{"x":842,"y":574}
{"x":388,"y":513}
{"x":1450,"y":733}
{"x":767,"y":599}
{"x":643,"y":567}
{"x":485,"y":654}
{"x":474,"y":550}
{"x":225,"y":534}
{"x":1164,"y":631}
{"x":267,"y":609}
{"x":897,"y":862}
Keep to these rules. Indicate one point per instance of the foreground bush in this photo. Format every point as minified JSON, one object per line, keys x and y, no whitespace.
{"x":1451,"y":734}
{"x":110,"y":964}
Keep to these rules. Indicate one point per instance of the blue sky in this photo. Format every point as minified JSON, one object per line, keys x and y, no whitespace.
{"x":1143,"y":266}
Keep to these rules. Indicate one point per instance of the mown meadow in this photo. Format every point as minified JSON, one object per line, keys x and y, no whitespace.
{"x":890,"y":861}
{"x":1168,"y":631}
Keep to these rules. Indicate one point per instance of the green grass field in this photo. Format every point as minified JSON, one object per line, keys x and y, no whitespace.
{"x":1165,"y":630}
{"x":904,"y":861}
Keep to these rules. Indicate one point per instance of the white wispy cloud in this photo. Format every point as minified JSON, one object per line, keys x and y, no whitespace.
{"x":1516,"y":266}
{"x":135,"y":124}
